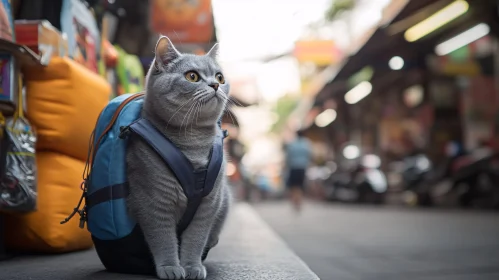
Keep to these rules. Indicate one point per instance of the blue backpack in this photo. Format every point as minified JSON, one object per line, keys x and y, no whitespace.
{"x":116,"y":235}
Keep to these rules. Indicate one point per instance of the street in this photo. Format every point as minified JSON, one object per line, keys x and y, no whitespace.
{"x":343,"y":242}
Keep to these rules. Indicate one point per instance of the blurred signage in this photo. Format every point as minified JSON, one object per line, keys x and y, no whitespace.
{"x":471,"y":60}
{"x":320,"y":52}
{"x":80,"y":25}
{"x":450,"y":66}
{"x":444,"y":94}
{"x":480,"y":101}
{"x":183,"y":21}
{"x":6,"y":21}
{"x":453,"y":68}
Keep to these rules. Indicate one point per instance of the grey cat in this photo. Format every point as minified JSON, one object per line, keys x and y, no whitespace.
{"x":185,"y":96}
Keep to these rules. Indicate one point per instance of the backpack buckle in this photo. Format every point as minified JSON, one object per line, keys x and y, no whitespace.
{"x":124,"y":132}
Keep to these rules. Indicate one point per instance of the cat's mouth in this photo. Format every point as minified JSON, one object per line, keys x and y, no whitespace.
{"x":212,"y":96}
{"x":209,"y":97}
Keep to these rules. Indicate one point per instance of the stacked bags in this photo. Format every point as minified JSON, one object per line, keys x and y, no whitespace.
{"x":64,"y":101}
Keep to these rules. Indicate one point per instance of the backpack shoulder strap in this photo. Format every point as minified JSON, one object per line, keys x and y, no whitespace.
{"x":175,"y":159}
{"x":192,"y":182}
{"x":114,"y":118}
{"x":195,"y":183}
{"x":215,"y":163}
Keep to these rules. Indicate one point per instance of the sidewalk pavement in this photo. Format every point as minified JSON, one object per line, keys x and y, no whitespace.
{"x":248,"y":249}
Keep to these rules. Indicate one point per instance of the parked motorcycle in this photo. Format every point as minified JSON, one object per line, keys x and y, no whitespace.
{"x":476,"y":183}
{"x":415,"y":170}
{"x":473,"y":179}
{"x":364,"y":183}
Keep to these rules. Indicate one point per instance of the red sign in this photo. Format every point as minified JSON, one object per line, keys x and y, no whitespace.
{"x":183,"y":21}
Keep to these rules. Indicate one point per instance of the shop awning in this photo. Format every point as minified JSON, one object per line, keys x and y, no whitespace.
{"x":387,"y":40}
{"x":133,"y":31}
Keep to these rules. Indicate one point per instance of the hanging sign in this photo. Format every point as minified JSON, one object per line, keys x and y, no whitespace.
{"x":319,"y":52}
{"x":183,"y":21}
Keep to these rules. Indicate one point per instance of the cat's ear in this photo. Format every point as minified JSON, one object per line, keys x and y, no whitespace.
{"x":165,"y":51}
{"x":213,"y":53}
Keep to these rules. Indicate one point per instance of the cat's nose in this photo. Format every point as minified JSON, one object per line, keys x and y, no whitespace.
{"x":215,"y":86}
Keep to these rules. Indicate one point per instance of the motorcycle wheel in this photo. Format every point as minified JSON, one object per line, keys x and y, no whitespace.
{"x":424,"y":199}
{"x":367,"y":195}
{"x":477,"y":196}
{"x":379,"y":198}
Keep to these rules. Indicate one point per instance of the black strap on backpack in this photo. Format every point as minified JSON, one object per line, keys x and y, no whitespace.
{"x":195,"y":183}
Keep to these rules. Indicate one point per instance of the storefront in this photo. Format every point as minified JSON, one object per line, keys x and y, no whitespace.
{"x":426,"y":85}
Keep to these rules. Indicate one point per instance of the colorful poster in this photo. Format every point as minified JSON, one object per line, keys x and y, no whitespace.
{"x":183,"y":21}
{"x":83,"y":36}
{"x":85,"y":47}
{"x":6,"y":21}
{"x":5,"y":78}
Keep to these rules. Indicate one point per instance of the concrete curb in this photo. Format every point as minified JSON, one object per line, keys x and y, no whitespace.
{"x":248,"y":249}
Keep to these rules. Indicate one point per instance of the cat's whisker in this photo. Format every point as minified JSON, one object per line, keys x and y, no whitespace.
{"x":189,"y":117}
{"x":228,"y":104}
{"x":232,"y":104}
{"x":202,"y":99}
{"x":186,"y":115}
{"x":199,"y":111}
{"x":227,"y":109}
{"x":227,"y":99}
{"x":191,"y":112}
{"x":178,"y":110}
{"x":186,"y":119}
{"x":194,"y":115}
{"x":235,"y":102}
{"x":196,"y":112}
{"x":198,"y":93}
{"x":229,"y":112}
{"x":222,"y":97}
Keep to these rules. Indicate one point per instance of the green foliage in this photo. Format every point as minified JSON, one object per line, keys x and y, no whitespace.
{"x":338,"y":7}
{"x":283,"y":108}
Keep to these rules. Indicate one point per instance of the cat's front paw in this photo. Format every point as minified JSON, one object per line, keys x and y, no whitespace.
{"x":170,"y":272}
{"x":195,"y":272}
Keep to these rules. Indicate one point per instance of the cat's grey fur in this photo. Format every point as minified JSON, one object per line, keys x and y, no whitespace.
{"x":187,"y":113}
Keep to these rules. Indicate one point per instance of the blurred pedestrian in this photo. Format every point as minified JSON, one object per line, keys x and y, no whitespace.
{"x":263,"y":183}
{"x":298,"y":157}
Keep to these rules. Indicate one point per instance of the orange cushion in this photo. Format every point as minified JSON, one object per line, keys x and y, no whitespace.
{"x":64,"y":101}
{"x":59,"y":179}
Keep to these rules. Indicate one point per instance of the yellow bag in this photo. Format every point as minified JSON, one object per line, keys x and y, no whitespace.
{"x":64,"y":101}
{"x":59,"y":178}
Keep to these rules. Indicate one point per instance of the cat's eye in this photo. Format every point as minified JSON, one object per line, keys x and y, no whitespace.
{"x":220,"y":78}
{"x":192,"y":76}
